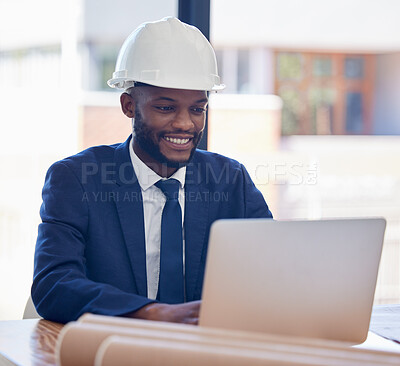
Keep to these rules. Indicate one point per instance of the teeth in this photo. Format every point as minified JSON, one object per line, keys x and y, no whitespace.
{"x":177,"y":141}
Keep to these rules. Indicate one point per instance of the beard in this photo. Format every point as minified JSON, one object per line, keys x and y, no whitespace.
{"x":148,"y":141}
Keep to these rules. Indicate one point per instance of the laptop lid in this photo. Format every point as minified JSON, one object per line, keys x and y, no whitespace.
{"x":300,"y":278}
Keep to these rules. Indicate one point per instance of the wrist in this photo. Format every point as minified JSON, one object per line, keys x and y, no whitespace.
{"x":146,"y":312}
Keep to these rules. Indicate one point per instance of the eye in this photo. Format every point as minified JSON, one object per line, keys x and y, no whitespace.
{"x":199,"y":110}
{"x":164,"y":108}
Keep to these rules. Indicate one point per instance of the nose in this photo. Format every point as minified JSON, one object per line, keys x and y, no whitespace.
{"x":183,"y":120}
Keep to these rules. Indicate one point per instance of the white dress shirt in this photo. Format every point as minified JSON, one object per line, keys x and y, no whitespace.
{"x":153,"y":205}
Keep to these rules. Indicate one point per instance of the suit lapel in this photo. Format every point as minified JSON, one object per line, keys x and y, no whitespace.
{"x":130,"y":211}
{"x":196,"y":218}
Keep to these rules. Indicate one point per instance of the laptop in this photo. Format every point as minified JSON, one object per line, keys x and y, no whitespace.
{"x":297,"y":278}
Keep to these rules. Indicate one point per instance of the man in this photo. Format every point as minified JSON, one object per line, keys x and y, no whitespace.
{"x":114,"y":240}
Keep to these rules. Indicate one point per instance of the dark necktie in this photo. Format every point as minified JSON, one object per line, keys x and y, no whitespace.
{"x":170,"y":287}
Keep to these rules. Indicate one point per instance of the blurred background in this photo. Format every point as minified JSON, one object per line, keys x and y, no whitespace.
{"x":312,"y":108}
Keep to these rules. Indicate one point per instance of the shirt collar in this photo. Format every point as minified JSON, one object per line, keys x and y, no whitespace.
{"x":148,"y":177}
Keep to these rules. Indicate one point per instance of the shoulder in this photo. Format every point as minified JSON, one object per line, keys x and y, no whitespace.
{"x":92,"y":157}
{"x":211,"y":167}
{"x":92,"y":163}
{"x":92,"y":154}
{"x":214,"y":159}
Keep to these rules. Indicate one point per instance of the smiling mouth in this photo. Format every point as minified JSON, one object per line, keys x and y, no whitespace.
{"x":178,"y":141}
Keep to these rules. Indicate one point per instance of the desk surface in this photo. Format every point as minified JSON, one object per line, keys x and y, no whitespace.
{"x":28,"y":342}
{"x":32,"y":342}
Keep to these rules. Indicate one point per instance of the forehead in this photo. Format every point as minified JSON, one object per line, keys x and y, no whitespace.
{"x":153,"y":93}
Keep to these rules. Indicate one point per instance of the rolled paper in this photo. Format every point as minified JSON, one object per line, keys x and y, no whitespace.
{"x":123,"y":351}
{"x":79,"y":341}
{"x":207,"y":331}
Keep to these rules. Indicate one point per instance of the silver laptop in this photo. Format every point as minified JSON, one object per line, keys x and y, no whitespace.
{"x":300,"y":278}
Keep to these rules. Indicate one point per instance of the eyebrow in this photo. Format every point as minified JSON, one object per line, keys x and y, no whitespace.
{"x":203,"y":100}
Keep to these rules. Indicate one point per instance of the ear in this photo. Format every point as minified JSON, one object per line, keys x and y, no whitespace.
{"x":127,"y":105}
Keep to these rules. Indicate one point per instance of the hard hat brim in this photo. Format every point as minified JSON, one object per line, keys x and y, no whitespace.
{"x":123,"y":84}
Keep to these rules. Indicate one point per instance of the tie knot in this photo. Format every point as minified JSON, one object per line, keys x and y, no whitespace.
{"x":170,"y":188}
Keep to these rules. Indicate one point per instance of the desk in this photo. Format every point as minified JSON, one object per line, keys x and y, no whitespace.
{"x":32,"y":342}
{"x":28,"y":342}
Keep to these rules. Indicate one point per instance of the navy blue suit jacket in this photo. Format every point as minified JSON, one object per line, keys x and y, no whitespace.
{"x":90,"y":251}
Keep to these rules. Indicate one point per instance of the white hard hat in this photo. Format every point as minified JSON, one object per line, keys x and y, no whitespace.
{"x":167,"y":53}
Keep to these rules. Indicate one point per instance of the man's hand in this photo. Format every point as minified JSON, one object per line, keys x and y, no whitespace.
{"x":187,"y":313}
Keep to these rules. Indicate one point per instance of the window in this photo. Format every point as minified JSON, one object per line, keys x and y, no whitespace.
{"x":324,"y":93}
